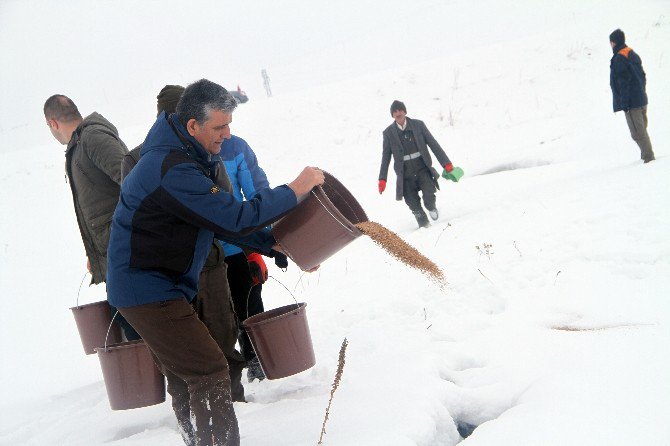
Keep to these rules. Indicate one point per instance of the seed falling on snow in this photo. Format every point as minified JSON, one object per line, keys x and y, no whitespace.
{"x":401,"y":250}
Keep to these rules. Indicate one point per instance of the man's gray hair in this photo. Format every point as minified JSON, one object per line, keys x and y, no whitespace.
{"x":202,"y":97}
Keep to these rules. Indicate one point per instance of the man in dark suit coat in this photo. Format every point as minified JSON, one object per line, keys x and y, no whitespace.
{"x":407,"y":141}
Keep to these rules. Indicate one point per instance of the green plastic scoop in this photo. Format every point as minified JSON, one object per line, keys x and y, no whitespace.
{"x":454,"y":175}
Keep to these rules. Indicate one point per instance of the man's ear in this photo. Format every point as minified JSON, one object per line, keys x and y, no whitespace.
{"x":53,"y":124}
{"x":191,"y":126}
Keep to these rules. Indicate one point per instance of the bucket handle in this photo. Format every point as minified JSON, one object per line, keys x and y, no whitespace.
{"x":110,"y":329}
{"x":289,"y":291}
{"x":80,"y":285}
{"x":331,"y":214}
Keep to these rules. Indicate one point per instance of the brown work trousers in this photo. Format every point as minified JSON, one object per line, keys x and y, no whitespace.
{"x":214,"y":306}
{"x":195,"y":368}
{"x":637,"y":124}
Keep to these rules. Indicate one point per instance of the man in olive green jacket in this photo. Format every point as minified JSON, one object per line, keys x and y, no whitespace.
{"x":93,"y":167}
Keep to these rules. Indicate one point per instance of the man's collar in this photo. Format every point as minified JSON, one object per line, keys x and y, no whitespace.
{"x":190,"y":143}
{"x":402,"y":127}
{"x":618,"y":48}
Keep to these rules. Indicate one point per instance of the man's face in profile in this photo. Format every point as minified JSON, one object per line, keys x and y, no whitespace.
{"x":213,"y":131}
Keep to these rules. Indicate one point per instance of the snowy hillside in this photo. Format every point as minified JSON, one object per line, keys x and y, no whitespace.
{"x":555,"y":324}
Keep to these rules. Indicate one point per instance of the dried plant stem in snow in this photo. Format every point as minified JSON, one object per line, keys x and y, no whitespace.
{"x":336,"y":383}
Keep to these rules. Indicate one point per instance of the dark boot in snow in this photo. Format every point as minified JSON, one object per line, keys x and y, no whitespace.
{"x":255,"y":371}
{"x":421,"y":219}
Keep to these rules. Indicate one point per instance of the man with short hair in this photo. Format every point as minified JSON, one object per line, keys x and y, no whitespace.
{"x":629,"y":83}
{"x":93,"y":167}
{"x":171,"y":207}
{"x":407,"y":141}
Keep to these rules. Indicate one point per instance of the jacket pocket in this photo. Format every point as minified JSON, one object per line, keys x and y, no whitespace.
{"x":100,"y":227}
{"x":435,"y":177}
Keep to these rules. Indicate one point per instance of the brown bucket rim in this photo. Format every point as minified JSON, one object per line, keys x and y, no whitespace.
{"x":120,"y":345}
{"x":298,"y":307}
{"x":346,"y":195}
{"x":334,"y":212}
{"x":339,"y":216}
{"x":79,"y":307}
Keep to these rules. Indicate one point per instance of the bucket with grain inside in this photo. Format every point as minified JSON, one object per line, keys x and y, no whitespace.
{"x":323,"y":223}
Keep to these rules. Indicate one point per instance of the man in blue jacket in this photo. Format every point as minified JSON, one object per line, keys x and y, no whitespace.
{"x":629,"y":82}
{"x":213,"y":303}
{"x":168,"y":213}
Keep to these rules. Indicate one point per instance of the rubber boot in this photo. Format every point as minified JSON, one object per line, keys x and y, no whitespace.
{"x":421,"y":219}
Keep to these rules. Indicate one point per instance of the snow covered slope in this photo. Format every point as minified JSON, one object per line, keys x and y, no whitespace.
{"x":555,"y":325}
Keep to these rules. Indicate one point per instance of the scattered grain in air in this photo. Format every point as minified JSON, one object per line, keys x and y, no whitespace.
{"x":401,"y":250}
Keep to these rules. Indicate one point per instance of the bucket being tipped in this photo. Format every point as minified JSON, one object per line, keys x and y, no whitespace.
{"x":281,"y":340}
{"x":131,"y":376}
{"x":93,"y":321}
{"x":322,"y":224}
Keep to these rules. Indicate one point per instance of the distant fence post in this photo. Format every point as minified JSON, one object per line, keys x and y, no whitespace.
{"x":266,"y":82}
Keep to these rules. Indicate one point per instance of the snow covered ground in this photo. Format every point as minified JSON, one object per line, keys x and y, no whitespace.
{"x":554,"y":328}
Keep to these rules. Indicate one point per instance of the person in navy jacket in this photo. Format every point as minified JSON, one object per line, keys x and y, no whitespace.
{"x":172,"y":205}
{"x":246,"y":271}
{"x":629,"y":83}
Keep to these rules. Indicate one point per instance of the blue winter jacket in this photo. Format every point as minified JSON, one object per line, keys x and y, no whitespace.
{"x":168,"y":213}
{"x":246,"y":176}
{"x":627,"y":80}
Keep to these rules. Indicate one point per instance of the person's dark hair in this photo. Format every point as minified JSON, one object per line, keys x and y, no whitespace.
{"x":200,"y":98}
{"x":61,"y":108}
{"x":618,"y":37}
{"x":397,"y":105}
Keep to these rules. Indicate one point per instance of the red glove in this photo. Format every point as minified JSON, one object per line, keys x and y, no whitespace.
{"x":257,"y":269}
{"x":449,"y":167}
{"x":382,"y":186}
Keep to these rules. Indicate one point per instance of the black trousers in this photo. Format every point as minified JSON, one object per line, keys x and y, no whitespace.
{"x":412,"y":184}
{"x":247,"y":300}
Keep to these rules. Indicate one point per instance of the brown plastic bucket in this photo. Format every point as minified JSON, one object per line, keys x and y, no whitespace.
{"x":93,"y":321}
{"x":281,"y":340}
{"x":131,"y":376}
{"x":321,"y":224}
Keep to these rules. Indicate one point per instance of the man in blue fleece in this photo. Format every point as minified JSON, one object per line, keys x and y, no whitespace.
{"x":172,"y":205}
{"x":246,"y":271}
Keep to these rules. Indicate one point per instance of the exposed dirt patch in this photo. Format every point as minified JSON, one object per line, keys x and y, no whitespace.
{"x":604,"y":327}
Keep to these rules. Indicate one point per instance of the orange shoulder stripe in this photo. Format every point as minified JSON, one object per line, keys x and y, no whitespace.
{"x":624,"y":52}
